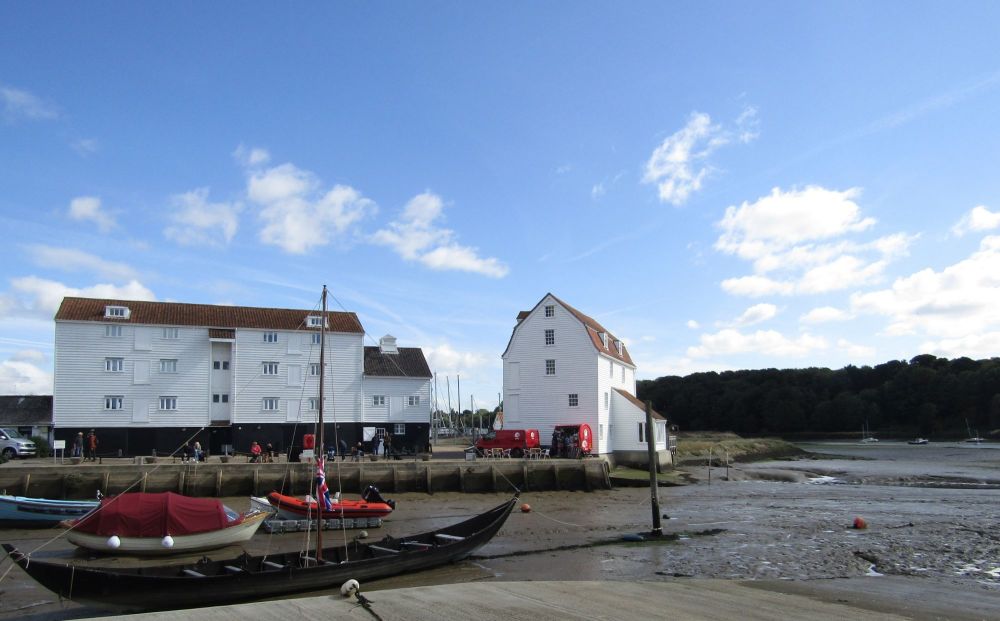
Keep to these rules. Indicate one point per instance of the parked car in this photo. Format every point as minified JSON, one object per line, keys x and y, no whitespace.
{"x":13,"y":444}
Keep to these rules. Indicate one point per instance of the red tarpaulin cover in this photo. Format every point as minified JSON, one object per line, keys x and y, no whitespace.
{"x":155,"y":515}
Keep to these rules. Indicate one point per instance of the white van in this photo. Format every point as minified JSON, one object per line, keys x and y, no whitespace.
{"x":13,"y":444}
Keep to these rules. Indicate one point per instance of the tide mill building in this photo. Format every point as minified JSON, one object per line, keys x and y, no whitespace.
{"x":562,"y":367}
{"x":149,"y":375}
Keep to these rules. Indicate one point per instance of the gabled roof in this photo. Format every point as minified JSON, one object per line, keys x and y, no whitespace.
{"x":594,"y":330}
{"x":205,"y":315}
{"x":25,"y":410}
{"x":409,"y":362}
{"x":639,"y":404}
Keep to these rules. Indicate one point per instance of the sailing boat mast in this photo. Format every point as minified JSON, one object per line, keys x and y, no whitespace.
{"x":320,"y":461}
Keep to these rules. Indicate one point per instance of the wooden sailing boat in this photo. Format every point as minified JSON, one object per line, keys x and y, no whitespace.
{"x":245,"y":578}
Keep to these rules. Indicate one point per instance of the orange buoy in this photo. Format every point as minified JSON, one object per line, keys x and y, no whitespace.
{"x":525,"y":508}
{"x":860,"y":523}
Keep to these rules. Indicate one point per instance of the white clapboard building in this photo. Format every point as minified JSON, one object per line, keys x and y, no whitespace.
{"x":562,"y":367}
{"x":149,"y":375}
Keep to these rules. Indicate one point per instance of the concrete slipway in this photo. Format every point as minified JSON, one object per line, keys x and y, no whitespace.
{"x":707,"y":600}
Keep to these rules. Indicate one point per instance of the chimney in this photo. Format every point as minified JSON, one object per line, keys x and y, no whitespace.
{"x":387,"y":344}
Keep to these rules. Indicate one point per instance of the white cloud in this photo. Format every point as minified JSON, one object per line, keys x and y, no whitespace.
{"x":756,"y":314}
{"x":747,"y":125}
{"x":597,"y":191}
{"x":959,"y":302}
{"x":978,"y":219}
{"x":198,"y":222}
{"x":19,"y":103}
{"x":38,"y":296}
{"x":783,"y":219}
{"x":416,"y":237}
{"x":71,"y":260}
{"x":762,"y":342}
{"x":678,"y":166}
{"x":756,"y":286}
{"x":795,"y":233}
{"x":20,"y":375}
{"x":856,"y":351}
{"x":984,"y":345}
{"x":29,"y":355}
{"x":692,"y":324}
{"x":85,"y":146}
{"x":88,"y":208}
{"x":824,"y":314}
{"x":251,"y":157}
{"x":446,"y":360}
{"x":297,"y":216}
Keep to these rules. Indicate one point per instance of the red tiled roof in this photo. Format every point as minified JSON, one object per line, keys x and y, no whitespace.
{"x":594,"y":330}
{"x":639,"y":404}
{"x":207,"y":315}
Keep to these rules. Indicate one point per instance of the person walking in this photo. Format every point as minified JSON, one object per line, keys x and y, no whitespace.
{"x":92,"y":445}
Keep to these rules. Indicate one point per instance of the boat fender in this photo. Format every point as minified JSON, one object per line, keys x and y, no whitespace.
{"x":633,"y":537}
{"x":114,"y":542}
{"x":350,"y":587}
{"x":525,"y":508}
{"x":167,"y":542}
{"x":860,"y":523}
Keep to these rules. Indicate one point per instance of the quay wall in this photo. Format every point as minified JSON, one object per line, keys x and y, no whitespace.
{"x":243,"y":479}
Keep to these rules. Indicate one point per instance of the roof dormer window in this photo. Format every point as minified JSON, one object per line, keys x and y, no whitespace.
{"x":604,"y":339}
{"x":618,"y":346}
{"x":116,"y":312}
{"x":314,"y":321}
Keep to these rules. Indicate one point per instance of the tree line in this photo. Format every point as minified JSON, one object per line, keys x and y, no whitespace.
{"x":925,"y":396}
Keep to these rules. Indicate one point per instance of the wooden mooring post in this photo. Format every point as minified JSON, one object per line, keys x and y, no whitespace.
{"x":654,"y":494}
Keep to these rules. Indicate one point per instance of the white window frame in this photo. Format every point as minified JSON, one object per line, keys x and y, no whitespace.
{"x":623,"y":373}
{"x":600,"y":432}
{"x":114,"y":332}
{"x":168,"y":365}
{"x":220,"y":365}
{"x":171,"y":334}
{"x":604,"y":339}
{"x":611,"y":369}
{"x":607,"y":401}
{"x":550,"y":337}
{"x":114,"y":365}
{"x":269,"y":368}
{"x":378,"y":401}
{"x":114,"y":402}
{"x":220,"y":397}
{"x":313,"y":404}
{"x":315,"y":321}
{"x":550,"y":367}
{"x":413,"y":401}
{"x":270,"y":337}
{"x":642,"y":427}
{"x":314,"y":369}
{"x":550,"y":311}
{"x":618,"y":346}
{"x":399,"y":429}
{"x":317,"y":338}
{"x":269,"y":404}
{"x":168,"y":403}
{"x":116,"y":312}
{"x":574,"y":399}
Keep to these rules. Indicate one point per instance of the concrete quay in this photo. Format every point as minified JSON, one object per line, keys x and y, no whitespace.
{"x":45,"y":479}
{"x":697,"y":600}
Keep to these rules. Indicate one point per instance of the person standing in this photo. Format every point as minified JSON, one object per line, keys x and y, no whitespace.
{"x":343,"y":449}
{"x":78,"y":445}
{"x":198,"y":454}
{"x":377,"y":446}
{"x":92,"y":445}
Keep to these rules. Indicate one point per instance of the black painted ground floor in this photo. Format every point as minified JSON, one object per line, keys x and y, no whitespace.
{"x":288,"y":439}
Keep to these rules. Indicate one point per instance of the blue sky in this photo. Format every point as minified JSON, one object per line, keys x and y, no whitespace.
{"x":723,"y":185}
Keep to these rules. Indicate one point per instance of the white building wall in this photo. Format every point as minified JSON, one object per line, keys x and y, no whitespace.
{"x":626,"y":417}
{"x":294,"y":352}
{"x":81,"y":382}
{"x":540,"y":401}
{"x":396,"y":391}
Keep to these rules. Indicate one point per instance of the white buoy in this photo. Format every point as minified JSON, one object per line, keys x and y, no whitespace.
{"x":114,"y":542}
{"x":167,"y":542}
{"x":350,"y":587}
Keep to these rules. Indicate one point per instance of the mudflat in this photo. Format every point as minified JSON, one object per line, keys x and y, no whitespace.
{"x":930,"y":549}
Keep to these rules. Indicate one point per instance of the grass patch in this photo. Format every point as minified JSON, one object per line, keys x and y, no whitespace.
{"x":696,"y":448}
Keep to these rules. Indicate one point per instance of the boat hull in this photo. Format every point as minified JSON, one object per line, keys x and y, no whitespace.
{"x":20,"y":511}
{"x":291,"y":508}
{"x":153,"y":546}
{"x":247,"y":578}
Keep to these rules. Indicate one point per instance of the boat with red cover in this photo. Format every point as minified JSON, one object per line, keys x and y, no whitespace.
{"x":161,"y":523}
{"x":371,"y":505}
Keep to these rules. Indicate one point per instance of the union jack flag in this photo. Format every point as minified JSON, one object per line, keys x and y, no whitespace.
{"x":322,"y":491}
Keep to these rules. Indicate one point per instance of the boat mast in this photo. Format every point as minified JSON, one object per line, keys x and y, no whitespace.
{"x":320,"y":461}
